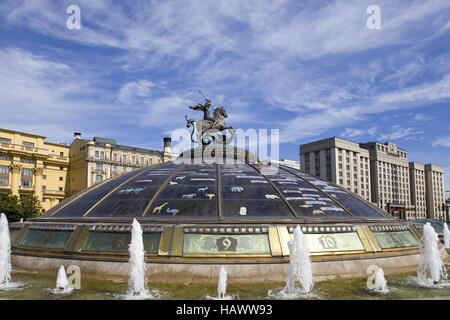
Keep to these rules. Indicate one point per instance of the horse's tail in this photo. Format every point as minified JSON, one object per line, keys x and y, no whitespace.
{"x":192,"y":134}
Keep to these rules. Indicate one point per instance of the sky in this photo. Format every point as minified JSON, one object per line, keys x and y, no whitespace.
{"x":310,"y":69}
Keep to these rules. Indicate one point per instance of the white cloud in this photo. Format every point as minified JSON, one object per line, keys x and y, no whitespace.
{"x":136,"y":89}
{"x":400,"y":132}
{"x":442,"y":141}
{"x":423,"y":117}
{"x":354,"y":132}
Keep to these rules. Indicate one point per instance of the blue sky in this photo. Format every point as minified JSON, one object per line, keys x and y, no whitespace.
{"x":311,"y":69}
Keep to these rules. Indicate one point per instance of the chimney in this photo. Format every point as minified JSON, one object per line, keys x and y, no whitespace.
{"x":77,"y":135}
{"x":167,"y":144}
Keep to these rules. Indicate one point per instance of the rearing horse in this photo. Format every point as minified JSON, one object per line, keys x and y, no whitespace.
{"x":207,"y":129}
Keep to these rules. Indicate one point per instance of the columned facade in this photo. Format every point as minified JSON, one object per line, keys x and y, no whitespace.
{"x":31,"y":166}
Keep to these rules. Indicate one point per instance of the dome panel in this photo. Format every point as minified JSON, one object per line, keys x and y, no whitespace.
{"x":358,"y":207}
{"x":255,"y":208}
{"x":79,"y":206}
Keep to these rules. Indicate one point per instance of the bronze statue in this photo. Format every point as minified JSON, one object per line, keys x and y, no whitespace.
{"x":208,"y":128}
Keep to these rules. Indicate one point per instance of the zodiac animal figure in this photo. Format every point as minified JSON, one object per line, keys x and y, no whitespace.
{"x":158,"y":209}
{"x":316,"y":212}
{"x":202,"y":189}
{"x":243,"y":211}
{"x":272,"y":196}
{"x":210,"y":195}
{"x":172,"y":211}
{"x":189,"y":196}
{"x":237,"y":189}
{"x":173,"y":183}
{"x":180,"y":178}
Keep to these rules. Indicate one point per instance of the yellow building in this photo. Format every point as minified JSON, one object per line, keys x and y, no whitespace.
{"x":31,"y":166}
{"x":99,"y":159}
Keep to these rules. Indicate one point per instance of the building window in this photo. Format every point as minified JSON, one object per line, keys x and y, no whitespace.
{"x":98,"y":178}
{"x":4,"y":175}
{"x":60,"y":178}
{"x":3,"y":157}
{"x":26,"y":177}
{"x":150,"y":161}
{"x":44,"y":188}
{"x":60,"y":189}
{"x":5,"y":140}
{"x":61,"y":154}
{"x":99,"y":166}
{"x":141,"y":160}
{"x":124,"y":158}
{"x":28,"y":144}
{"x":133,"y":159}
{"x":26,"y":160}
{"x":44,"y":177}
{"x":102,"y":155}
{"x":115,"y":156}
{"x":96,"y":154}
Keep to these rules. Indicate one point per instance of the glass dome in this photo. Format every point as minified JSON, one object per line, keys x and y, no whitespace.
{"x":178,"y":192}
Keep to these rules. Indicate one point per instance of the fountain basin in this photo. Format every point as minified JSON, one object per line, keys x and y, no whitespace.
{"x":198,"y":217}
{"x":169,"y":258}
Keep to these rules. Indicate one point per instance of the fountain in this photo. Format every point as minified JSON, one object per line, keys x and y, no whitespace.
{"x":446,"y":237}
{"x":431,"y":268}
{"x":299,"y":269}
{"x":62,"y":284}
{"x":299,"y":264}
{"x":222,"y":283}
{"x":137,"y":262}
{"x":5,"y":251}
{"x":380,"y":282}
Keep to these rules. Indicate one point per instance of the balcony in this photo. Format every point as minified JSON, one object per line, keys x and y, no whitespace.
{"x":23,"y":150}
{"x":54,"y":193}
{"x":26,"y":189}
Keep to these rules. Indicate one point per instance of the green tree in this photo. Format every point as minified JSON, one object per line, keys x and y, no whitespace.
{"x":30,"y":207}
{"x":9,"y":205}
{"x":14,"y":209}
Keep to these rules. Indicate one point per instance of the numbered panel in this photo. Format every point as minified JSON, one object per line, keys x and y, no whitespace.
{"x":213,"y":244}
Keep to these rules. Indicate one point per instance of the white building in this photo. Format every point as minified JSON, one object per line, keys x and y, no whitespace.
{"x":340,"y":161}
{"x":389,"y":168}
{"x":288,"y":163}
{"x":418,"y":189}
{"x":434,"y":176}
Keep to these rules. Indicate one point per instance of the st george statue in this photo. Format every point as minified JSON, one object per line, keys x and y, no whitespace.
{"x":209,"y":127}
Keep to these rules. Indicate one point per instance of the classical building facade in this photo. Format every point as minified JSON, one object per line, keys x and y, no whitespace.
{"x":435,"y":191}
{"x":31,"y":166}
{"x":340,"y":161}
{"x":96,"y":160}
{"x":389,"y":168}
